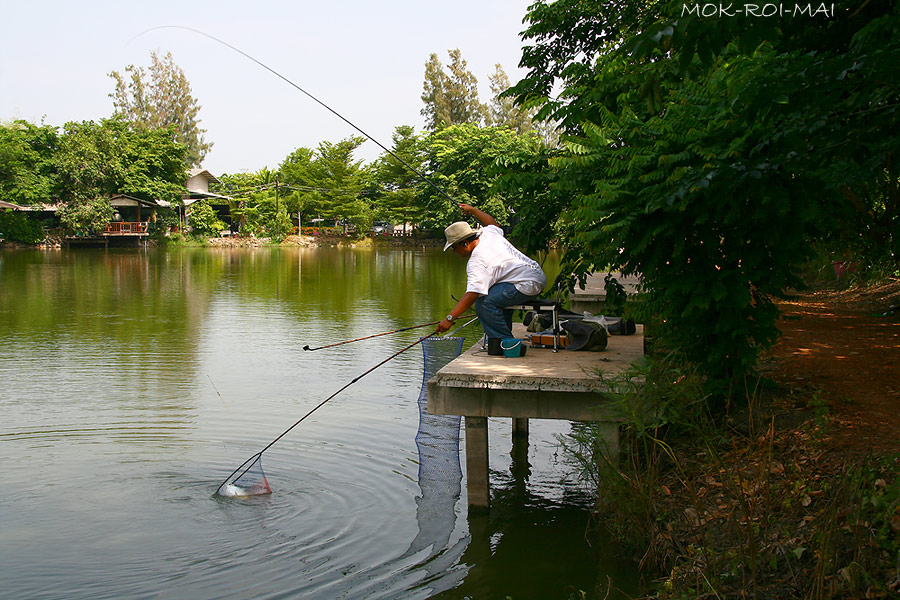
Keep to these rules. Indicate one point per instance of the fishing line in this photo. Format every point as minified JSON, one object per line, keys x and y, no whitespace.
{"x":291,"y":83}
{"x":217,"y":392}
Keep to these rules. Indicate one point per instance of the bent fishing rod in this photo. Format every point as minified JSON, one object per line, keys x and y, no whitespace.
{"x":247,"y":464}
{"x":375,"y":335}
{"x":294,"y":85}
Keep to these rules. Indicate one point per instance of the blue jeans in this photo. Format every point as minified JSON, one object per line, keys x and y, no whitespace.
{"x":495,"y":319}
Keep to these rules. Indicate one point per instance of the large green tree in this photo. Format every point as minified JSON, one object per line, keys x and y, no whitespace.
{"x":261,"y":203}
{"x":339,"y":180}
{"x":709,"y":154}
{"x":399,"y":199}
{"x":158,"y":98}
{"x":451,"y":96}
{"x":466,"y":162}
{"x":298,"y":176}
{"x":27,"y":169}
{"x":96,"y":160}
{"x":503,"y":111}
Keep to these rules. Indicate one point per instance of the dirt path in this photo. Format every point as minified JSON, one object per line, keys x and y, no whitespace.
{"x":833,"y":341}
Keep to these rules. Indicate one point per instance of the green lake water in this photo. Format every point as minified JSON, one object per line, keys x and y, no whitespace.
{"x":133,"y":382}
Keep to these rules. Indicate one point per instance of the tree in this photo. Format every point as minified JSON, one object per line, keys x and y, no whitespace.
{"x":710,"y":154}
{"x":450,"y":98}
{"x":18,"y":226}
{"x":466,"y":161}
{"x":159,"y":99}
{"x":296,"y":173}
{"x":503,"y":110}
{"x":100,"y":159}
{"x":87,"y":217}
{"x":96,"y":160}
{"x":400,"y":200}
{"x":339,"y":181}
{"x":27,"y":170}
{"x":259,"y":202}
{"x":204,"y":221}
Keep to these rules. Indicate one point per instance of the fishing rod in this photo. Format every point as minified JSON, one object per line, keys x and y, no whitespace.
{"x":466,"y":324}
{"x":291,"y":83}
{"x":248,"y":464}
{"x":374,"y":335}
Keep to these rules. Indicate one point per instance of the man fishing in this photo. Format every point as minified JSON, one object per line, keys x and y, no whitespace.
{"x":497,"y":274}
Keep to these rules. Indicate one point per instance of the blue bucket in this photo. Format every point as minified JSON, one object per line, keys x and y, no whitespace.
{"x":513,"y":347}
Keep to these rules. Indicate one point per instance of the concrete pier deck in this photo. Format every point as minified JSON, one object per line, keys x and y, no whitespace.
{"x":543,"y":384}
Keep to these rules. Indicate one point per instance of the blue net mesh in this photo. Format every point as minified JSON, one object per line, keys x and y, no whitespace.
{"x":440,"y":474}
{"x":248,"y":480}
{"x":438,"y":436}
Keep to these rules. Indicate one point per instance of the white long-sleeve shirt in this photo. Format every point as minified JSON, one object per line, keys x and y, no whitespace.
{"x":494,"y":260}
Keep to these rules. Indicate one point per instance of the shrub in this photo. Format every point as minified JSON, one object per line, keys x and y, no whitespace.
{"x":19,"y":227}
{"x":86,"y":217}
{"x":204,"y":222}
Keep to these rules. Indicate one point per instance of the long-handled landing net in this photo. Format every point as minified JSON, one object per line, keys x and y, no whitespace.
{"x":249,"y":479}
{"x":440,"y":474}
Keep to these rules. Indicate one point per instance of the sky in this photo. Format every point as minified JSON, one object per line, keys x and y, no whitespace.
{"x":364,"y":59}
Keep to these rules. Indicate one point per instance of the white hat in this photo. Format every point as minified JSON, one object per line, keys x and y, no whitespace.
{"x":457,"y":232}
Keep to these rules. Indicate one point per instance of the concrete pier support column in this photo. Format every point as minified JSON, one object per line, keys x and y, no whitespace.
{"x":520,"y":427}
{"x":609,"y":433}
{"x":520,"y":468}
{"x":477,"y":470}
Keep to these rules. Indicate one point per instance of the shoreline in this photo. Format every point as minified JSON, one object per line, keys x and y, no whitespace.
{"x":305,"y":241}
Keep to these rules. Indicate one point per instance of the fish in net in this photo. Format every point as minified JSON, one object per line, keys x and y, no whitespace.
{"x":248,"y":480}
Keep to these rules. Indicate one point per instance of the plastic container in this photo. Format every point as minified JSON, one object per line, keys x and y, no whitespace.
{"x":513,"y":347}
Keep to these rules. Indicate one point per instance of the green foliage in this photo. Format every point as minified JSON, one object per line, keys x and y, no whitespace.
{"x":97,"y":160}
{"x":397,"y":199}
{"x":296,"y":173}
{"x":160,"y":100}
{"x":153,"y":165}
{"x":17,"y":226}
{"x":88,"y":159}
{"x":709,"y":155}
{"x":659,"y":400}
{"x":87,"y":216}
{"x":338,"y":181}
{"x":450,"y":98}
{"x":466,"y":161}
{"x":166,"y":219}
{"x":203,"y":220}
{"x":502,"y":111}
{"x":27,"y":170}
{"x":100,"y":159}
{"x":265,"y":216}
{"x":542,"y":210}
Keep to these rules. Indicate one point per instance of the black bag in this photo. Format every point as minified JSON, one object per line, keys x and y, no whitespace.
{"x":585,"y":335}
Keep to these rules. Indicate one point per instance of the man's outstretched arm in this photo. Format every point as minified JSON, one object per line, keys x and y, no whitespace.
{"x":483,"y":218}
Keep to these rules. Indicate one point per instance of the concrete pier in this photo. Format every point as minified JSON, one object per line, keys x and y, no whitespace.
{"x":540,"y":385}
{"x":593,"y":297}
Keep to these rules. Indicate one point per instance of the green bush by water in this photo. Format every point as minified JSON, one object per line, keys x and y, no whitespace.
{"x":18,"y":226}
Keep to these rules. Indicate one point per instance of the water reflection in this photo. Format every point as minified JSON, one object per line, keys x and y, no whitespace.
{"x":135,"y":381}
